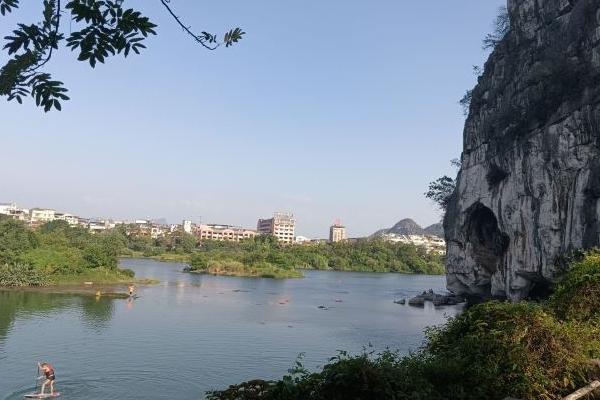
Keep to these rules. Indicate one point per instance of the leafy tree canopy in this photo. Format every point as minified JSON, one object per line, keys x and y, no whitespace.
{"x":100,"y":29}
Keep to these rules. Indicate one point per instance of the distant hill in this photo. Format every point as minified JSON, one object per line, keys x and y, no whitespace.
{"x":408,"y":226}
{"x":435,"y":229}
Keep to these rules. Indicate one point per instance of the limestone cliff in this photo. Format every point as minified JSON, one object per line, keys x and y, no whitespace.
{"x":529,"y":187}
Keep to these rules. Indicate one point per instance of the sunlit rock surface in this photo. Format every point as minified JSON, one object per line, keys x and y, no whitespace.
{"x":529,"y":187}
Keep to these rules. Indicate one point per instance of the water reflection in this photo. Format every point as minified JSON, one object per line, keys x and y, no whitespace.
{"x":97,"y":312}
{"x":26,"y":304}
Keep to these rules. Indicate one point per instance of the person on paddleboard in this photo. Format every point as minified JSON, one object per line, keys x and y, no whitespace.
{"x":48,"y":371}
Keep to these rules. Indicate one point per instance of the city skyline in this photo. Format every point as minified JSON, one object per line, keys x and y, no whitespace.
{"x":199,"y":221}
{"x":274,"y":123}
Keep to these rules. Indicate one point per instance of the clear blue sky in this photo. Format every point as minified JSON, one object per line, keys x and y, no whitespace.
{"x":329,"y":109}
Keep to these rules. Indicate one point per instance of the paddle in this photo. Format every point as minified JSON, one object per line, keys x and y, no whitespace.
{"x":37,"y":377}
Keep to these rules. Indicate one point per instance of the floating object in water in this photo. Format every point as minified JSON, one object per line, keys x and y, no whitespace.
{"x":42,"y":396}
{"x":322,"y":308}
{"x":338,"y":300}
{"x":401,"y":301}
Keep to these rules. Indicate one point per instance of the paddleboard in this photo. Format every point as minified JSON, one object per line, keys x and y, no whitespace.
{"x":42,"y":396}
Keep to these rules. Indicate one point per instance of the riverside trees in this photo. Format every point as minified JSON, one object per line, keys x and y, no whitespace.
{"x":54,"y":253}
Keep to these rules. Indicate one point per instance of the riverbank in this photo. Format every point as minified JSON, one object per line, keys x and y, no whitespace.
{"x":25,"y":277}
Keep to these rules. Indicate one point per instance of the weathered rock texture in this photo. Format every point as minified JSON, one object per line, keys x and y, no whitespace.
{"x":529,"y":187}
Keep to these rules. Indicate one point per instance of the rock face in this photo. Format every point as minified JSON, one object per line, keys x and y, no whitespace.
{"x":529,"y":187}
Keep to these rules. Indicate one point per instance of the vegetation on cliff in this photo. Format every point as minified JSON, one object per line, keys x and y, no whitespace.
{"x":491,"y":351}
{"x":57,"y":253}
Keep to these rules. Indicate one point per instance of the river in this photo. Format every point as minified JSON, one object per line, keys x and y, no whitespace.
{"x":193,"y":333}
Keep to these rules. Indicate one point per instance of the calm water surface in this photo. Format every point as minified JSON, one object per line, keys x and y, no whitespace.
{"x":193,"y":333}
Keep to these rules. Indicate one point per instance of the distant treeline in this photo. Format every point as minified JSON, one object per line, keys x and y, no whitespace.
{"x":265,"y":253}
{"x":59,"y":253}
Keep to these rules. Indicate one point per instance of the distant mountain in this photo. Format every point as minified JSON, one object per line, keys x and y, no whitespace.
{"x":435,"y":229}
{"x":408,"y":226}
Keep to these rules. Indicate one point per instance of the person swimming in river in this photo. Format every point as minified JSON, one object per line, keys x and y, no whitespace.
{"x":48,"y":371}
{"x":131,"y":290}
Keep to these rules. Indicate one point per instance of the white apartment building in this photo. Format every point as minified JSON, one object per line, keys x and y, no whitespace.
{"x":282,"y":226}
{"x":187,"y":226}
{"x":39,"y":216}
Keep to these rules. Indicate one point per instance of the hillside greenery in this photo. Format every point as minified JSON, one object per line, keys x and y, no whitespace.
{"x":264,"y":256}
{"x":57,"y":253}
{"x":491,"y":351}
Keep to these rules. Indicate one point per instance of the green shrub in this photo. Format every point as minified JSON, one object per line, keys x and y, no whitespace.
{"x":500,"y":349}
{"x":55,"y":260}
{"x":577,"y":295}
{"x":127,"y":272}
{"x":18,"y":275}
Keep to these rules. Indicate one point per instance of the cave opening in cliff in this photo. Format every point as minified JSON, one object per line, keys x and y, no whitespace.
{"x":488,"y":243}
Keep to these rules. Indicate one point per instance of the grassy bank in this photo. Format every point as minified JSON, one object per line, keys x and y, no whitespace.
{"x":234,"y":268}
{"x":97,"y":276}
{"x":492,"y":351}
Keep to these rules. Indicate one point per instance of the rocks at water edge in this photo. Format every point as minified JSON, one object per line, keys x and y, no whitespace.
{"x":436,"y":298}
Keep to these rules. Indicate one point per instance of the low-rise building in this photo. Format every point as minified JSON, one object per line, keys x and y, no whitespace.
{"x":13,"y":211}
{"x":8,"y":208}
{"x":430,"y":242}
{"x":303,"y":240}
{"x":97,"y":226}
{"x":187,"y":226}
{"x":70,"y":219}
{"x":40,"y":216}
{"x":282,"y":226}
{"x":101,"y":225}
{"x":223,"y":232}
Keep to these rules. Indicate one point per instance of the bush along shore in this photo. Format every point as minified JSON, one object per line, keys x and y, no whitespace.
{"x":57,"y":254}
{"x":264,"y":256}
{"x":492,"y":351}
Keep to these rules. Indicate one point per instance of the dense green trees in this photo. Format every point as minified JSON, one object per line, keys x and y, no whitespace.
{"x":54,"y":250}
{"x":15,"y":239}
{"x":363,"y":255}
